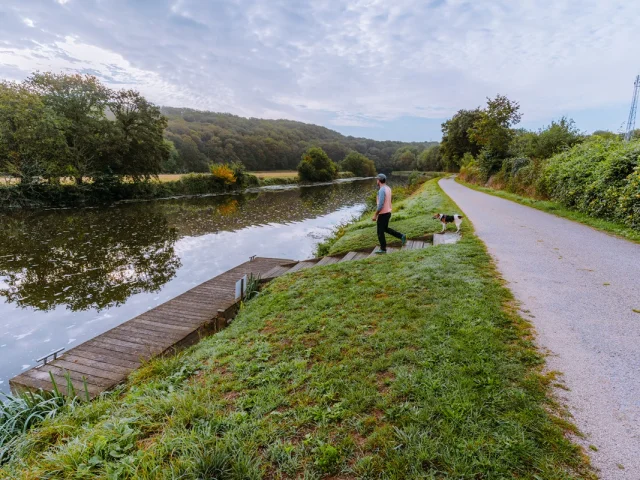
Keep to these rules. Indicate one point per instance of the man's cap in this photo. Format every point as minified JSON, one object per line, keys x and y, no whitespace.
{"x":382,"y":176}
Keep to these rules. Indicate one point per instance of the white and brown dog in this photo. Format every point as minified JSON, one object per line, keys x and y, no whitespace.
{"x":444,"y":218}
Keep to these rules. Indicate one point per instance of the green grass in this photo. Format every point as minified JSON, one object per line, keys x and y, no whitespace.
{"x":555,"y":208}
{"x":411,"y":365}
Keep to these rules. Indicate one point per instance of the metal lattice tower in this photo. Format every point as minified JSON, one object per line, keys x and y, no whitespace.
{"x":631,"y":123}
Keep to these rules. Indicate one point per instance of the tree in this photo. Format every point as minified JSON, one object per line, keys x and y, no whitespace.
{"x":558,"y":136}
{"x":456,"y":140}
{"x":492,"y":130}
{"x":358,"y":164}
{"x":545,"y":143}
{"x":81,"y":103}
{"x":31,"y":139}
{"x":140,"y":128}
{"x":430,"y":160}
{"x":605,"y":134}
{"x":405,"y":158}
{"x":316,"y":166}
{"x":172,"y":162}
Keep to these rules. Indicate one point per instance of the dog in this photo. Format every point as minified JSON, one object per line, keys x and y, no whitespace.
{"x":457,"y":219}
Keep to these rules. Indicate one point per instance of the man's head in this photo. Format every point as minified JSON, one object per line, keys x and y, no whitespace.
{"x":382,"y":179}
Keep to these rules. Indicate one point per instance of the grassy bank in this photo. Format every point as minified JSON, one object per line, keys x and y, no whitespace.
{"x":411,"y":216}
{"x":410,"y":365}
{"x":615,"y":228}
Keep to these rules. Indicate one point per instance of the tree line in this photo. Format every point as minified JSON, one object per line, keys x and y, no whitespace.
{"x":598,"y":174}
{"x":201,"y":138}
{"x":56,"y":125}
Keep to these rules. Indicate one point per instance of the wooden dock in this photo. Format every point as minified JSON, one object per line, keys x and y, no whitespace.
{"x":108,"y":359}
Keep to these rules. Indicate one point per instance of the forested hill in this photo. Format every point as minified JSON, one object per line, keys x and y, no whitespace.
{"x":201,"y":138}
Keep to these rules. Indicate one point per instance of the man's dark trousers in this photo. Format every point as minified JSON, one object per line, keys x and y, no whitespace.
{"x":383,"y":227}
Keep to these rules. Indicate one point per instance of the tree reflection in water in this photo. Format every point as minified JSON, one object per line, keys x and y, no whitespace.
{"x":84,"y":259}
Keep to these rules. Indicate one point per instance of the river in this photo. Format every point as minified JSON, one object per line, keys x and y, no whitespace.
{"x":68,"y":275}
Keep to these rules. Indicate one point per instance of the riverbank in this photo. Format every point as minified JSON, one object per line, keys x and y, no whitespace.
{"x":555,"y":208}
{"x":412,"y":364}
{"x":65,"y":195}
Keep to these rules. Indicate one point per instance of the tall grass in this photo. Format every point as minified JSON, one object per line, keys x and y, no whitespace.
{"x":19,"y":413}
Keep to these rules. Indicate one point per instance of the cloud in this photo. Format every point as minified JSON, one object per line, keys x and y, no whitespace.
{"x":357,"y":63}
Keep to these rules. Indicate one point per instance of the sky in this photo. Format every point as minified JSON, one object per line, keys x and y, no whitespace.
{"x":383,"y":69}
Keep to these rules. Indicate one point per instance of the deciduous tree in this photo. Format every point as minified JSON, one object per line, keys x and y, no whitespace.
{"x":316,"y":166}
{"x":358,"y":164}
{"x":493,"y":129}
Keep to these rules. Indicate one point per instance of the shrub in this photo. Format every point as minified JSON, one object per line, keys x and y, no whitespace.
{"x":316,"y":166}
{"x":597,"y":177}
{"x":471,"y":173}
{"x":223,"y":172}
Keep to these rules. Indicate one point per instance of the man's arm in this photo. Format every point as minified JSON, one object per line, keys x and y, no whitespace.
{"x":381,"y":195}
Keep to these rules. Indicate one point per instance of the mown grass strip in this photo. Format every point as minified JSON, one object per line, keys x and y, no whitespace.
{"x":410,"y":365}
{"x":555,"y":208}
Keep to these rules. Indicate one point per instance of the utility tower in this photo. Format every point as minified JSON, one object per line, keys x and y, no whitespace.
{"x":631,"y":123}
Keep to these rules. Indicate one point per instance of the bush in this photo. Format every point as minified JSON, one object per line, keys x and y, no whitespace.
{"x":471,"y":173}
{"x":598,"y":177}
{"x":223,"y":173}
{"x":358,"y":164}
{"x":316,"y":166}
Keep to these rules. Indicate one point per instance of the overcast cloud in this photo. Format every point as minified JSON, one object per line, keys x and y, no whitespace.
{"x":380,"y":68}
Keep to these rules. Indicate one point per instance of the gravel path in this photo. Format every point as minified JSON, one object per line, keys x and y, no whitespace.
{"x":579,"y":288}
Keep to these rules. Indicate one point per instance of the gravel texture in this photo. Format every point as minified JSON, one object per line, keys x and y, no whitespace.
{"x":579,"y":287}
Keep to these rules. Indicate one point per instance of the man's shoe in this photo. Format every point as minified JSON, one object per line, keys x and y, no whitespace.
{"x":404,"y":240}
{"x":380,"y":252}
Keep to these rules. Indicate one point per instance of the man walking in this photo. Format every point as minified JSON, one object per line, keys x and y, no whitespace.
{"x":383,"y":215}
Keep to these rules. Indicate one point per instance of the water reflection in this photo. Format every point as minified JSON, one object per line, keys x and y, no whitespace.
{"x":69,"y":275}
{"x":85,"y":259}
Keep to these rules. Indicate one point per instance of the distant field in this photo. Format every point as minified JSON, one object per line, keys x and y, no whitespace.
{"x":171,"y":177}
{"x":276,"y":174}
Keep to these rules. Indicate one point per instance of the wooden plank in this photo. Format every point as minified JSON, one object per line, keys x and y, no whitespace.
{"x":157,"y":327}
{"x":349,"y":256}
{"x":276,"y":271}
{"x":327,"y":261}
{"x":86,"y":370}
{"x":116,"y":350}
{"x":295,"y":268}
{"x":61,"y":382}
{"x":173,"y":317}
{"x":166,"y":326}
{"x":23,"y":382}
{"x":360,"y":256}
{"x":97,"y":361}
{"x":126,"y":347}
{"x":100,"y":354}
{"x":155,"y":334}
{"x":74,"y":375}
{"x":134,"y":338}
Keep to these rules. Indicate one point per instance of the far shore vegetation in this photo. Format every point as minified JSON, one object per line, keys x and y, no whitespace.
{"x":410,"y":365}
